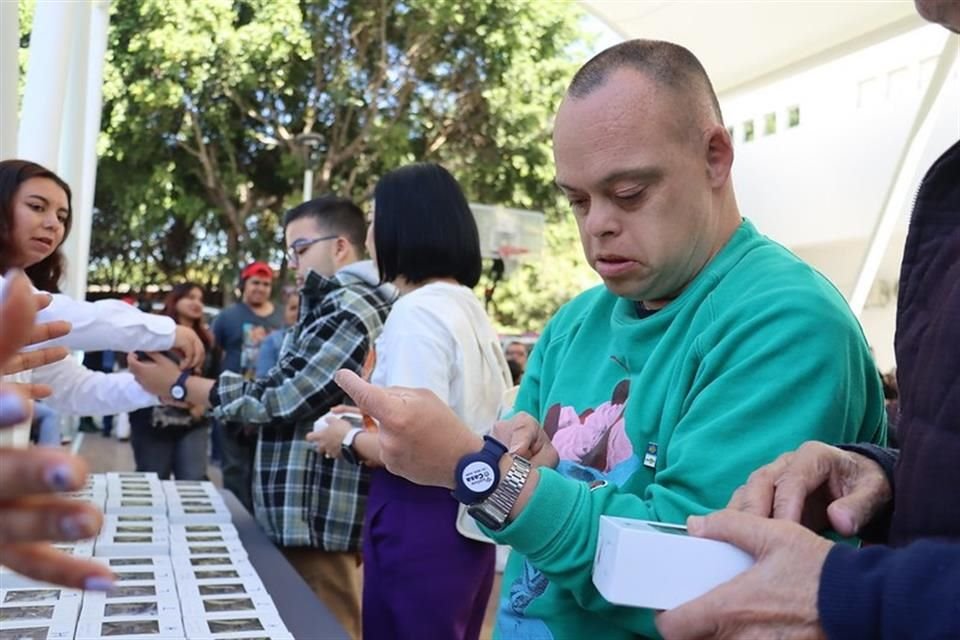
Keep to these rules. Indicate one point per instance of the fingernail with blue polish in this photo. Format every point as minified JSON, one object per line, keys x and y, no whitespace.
{"x":13,"y":409}
{"x":98,"y":583}
{"x":78,"y":526}
{"x":59,"y":478}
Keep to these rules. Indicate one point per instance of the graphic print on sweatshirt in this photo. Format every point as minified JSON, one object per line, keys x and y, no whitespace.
{"x":593,"y":447}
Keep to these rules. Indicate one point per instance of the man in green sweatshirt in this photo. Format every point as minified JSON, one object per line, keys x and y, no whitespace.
{"x":709,"y":350}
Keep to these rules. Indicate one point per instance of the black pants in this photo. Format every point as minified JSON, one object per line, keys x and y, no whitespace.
{"x":182,"y":452}
{"x":238,"y":448}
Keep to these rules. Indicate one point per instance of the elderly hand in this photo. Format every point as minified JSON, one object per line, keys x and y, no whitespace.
{"x":328,"y":440}
{"x":186,"y":340}
{"x":815,"y":485}
{"x":156,"y":375}
{"x":524,"y":437}
{"x":776,"y":598}
{"x":30,"y":512}
{"x":421,"y":438}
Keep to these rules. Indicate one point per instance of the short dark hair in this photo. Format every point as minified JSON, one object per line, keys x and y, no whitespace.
{"x":424,"y":227}
{"x":339,"y":215}
{"x":45,"y":275}
{"x":666,"y":63}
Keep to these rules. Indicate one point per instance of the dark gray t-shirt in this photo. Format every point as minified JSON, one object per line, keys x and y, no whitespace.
{"x":239,"y":331}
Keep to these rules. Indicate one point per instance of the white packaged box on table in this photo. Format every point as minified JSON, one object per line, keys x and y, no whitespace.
{"x":198,"y":512}
{"x":49,"y":613}
{"x":132,"y":540}
{"x":657,"y":565}
{"x":135,"y":616}
{"x":216,"y":532}
{"x":235,"y":624}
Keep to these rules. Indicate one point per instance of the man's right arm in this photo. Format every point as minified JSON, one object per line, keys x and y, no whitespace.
{"x":880,"y":592}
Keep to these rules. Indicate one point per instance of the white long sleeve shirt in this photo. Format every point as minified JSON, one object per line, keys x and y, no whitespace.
{"x":109,"y":324}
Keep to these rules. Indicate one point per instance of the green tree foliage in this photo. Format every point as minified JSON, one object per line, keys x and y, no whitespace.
{"x":204,"y":100}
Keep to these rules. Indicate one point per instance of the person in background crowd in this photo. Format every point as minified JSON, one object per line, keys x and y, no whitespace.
{"x":270,"y":347}
{"x":168,"y":438}
{"x":238,"y":331}
{"x":426,"y":581}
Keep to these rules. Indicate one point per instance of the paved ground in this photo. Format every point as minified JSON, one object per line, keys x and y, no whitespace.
{"x":109,"y":454}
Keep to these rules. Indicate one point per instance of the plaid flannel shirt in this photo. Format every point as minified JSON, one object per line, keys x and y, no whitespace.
{"x":300,"y":498}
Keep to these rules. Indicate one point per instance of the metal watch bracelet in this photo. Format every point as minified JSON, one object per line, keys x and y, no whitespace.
{"x":494,"y":511}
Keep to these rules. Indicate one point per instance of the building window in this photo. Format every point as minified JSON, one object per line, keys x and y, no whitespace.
{"x":748,"y":131}
{"x":793,"y":116}
{"x":769,"y":124}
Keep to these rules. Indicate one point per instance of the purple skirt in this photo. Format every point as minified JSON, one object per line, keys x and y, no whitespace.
{"x":421,"y":579}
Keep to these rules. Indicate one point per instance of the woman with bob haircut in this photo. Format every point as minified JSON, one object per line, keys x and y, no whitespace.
{"x":35,"y":217}
{"x":422,"y":579}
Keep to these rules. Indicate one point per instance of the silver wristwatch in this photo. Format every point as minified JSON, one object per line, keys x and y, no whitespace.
{"x":494,"y":511}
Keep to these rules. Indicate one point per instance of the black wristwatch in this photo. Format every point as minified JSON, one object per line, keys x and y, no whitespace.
{"x":179,"y":389}
{"x":347,"y":452}
{"x":478,"y":473}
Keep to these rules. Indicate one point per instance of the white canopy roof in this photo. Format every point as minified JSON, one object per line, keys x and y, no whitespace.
{"x":740,"y":42}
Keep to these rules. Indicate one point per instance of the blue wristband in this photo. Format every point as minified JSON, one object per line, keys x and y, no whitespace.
{"x":478,"y":474}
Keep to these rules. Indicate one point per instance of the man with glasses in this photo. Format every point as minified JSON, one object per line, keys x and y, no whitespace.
{"x":311,"y":507}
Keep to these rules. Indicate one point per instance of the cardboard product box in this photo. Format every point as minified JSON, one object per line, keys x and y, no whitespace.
{"x":49,"y":613}
{"x":228,"y":604}
{"x":139,"y":504}
{"x":248,"y":635}
{"x":156,"y":521}
{"x":232,"y":625}
{"x":657,"y":565}
{"x":128,"y":541}
{"x":236,"y":569}
{"x":184,"y":533}
{"x":233,"y":548}
{"x":132,"y":476}
{"x":189,"y":488}
{"x":106,"y":615}
{"x":200,"y":513}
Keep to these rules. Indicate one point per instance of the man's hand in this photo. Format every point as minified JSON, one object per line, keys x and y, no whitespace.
{"x":156,"y":375}
{"x":421,"y":438}
{"x":30,"y":512}
{"x":776,"y":598}
{"x":186,"y":340}
{"x":815,"y":485}
{"x":523,"y":436}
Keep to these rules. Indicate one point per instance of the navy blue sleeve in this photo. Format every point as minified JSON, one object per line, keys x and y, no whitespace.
{"x":876,"y":530}
{"x":880,"y":593}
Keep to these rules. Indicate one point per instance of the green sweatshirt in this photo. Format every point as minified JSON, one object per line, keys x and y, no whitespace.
{"x":664,"y":416}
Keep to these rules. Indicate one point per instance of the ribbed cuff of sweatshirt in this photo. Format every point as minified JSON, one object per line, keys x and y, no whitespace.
{"x":878,"y":529}
{"x":540,"y":523}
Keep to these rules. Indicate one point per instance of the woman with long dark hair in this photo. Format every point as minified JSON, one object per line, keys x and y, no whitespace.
{"x":421,"y":577}
{"x":174,"y":439}
{"x":35,"y":217}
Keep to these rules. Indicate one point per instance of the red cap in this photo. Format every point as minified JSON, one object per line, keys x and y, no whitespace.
{"x":261,"y":269}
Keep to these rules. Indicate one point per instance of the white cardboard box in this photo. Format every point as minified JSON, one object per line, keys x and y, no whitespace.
{"x":658,"y":566}
{"x":142,"y":616}
{"x":47,"y":613}
{"x":123,"y":541}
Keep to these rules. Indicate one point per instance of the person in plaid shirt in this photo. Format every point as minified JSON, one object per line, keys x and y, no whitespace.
{"x":311,"y":507}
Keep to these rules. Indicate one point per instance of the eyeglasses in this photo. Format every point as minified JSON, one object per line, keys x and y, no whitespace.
{"x":300,"y":246}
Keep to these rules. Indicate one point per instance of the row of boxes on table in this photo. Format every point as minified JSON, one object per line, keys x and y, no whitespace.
{"x":178,"y":575}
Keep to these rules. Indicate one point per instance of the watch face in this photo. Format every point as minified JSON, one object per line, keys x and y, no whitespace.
{"x":478,"y":477}
{"x":178,"y":392}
